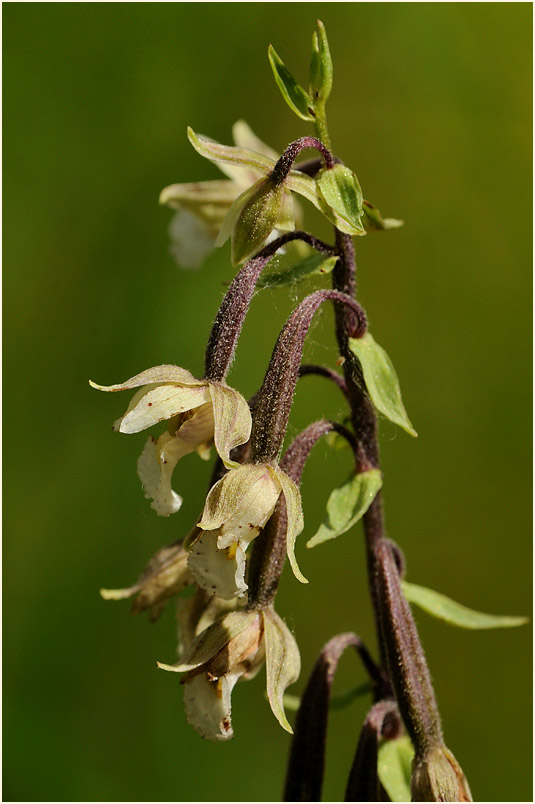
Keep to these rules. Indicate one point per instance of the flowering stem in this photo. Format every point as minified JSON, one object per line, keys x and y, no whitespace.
{"x":399,"y":644}
{"x":285,"y":163}
{"x":362,"y":411}
{"x":363,"y":784}
{"x":275,"y":397}
{"x":229,"y":320}
{"x":406,"y":661}
{"x":320,"y":124}
{"x":304,"y":776}
{"x":324,"y":371}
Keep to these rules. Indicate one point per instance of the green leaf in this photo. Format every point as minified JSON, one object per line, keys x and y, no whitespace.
{"x":446,"y":609}
{"x":321,"y":65}
{"x":291,"y":274}
{"x":381,"y":380}
{"x":347,"y":504}
{"x":394,"y":763}
{"x":340,"y":188}
{"x":339,"y":700}
{"x":295,"y":96}
{"x":373,"y":219}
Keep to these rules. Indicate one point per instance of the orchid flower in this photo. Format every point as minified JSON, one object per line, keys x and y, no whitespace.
{"x":197,"y":412}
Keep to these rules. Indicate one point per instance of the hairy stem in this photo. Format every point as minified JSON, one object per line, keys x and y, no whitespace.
{"x":229,"y":320}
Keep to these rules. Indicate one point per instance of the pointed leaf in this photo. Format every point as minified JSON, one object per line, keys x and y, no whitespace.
{"x":292,"y":274}
{"x":444,"y":608}
{"x":321,"y":65}
{"x":381,"y":380}
{"x":283,"y":663}
{"x":309,"y":189}
{"x":347,"y":504}
{"x":295,"y":96}
{"x":230,"y":154}
{"x":374,"y":220}
{"x":340,"y":188}
{"x":394,"y":764}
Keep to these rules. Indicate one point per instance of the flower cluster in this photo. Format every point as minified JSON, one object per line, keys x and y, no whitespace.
{"x":219,"y":647}
{"x":230,"y":561}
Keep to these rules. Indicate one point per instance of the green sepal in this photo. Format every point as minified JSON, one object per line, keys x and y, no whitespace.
{"x":341,"y":190}
{"x":381,"y":381}
{"x":347,"y":504}
{"x":338,"y":700}
{"x":252,"y":218}
{"x":283,"y":663}
{"x":394,"y":762}
{"x":373,"y":220}
{"x":295,"y":96}
{"x":321,"y":66}
{"x":230,"y":154}
{"x":446,"y":609}
{"x":292,"y":274}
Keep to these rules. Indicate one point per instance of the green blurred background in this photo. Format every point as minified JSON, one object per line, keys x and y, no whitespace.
{"x":432,"y":107}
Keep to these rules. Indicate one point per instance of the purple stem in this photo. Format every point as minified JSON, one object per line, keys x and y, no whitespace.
{"x":229,"y":320}
{"x":275,"y":397}
{"x":285,"y":163}
{"x":324,"y":371}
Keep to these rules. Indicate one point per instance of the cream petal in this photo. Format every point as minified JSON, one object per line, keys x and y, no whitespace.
{"x":220,"y":572}
{"x":155,"y":468}
{"x":244,"y":498}
{"x":191,"y":238}
{"x":198,"y":430}
{"x":157,"y":374}
{"x":207,"y":704}
{"x":244,"y":538}
{"x":244,"y":137}
{"x":159,"y":403}
{"x":189,"y":196}
{"x":232,"y":420}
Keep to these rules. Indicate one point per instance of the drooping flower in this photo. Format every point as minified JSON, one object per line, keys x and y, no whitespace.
{"x":229,"y":650}
{"x":237,"y":508}
{"x":165,"y":575}
{"x":197,"y":412}
{"x":202,"y":206}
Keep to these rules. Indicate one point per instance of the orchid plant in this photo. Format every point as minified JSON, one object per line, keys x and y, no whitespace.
{"x":229,"y":562}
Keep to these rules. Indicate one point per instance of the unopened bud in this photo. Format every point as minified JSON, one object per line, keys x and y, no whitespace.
{"x":437,"y":776}
{"x":253,"y":216}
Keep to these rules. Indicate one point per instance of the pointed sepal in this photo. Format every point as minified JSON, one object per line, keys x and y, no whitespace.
{"x":283,"y":663}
